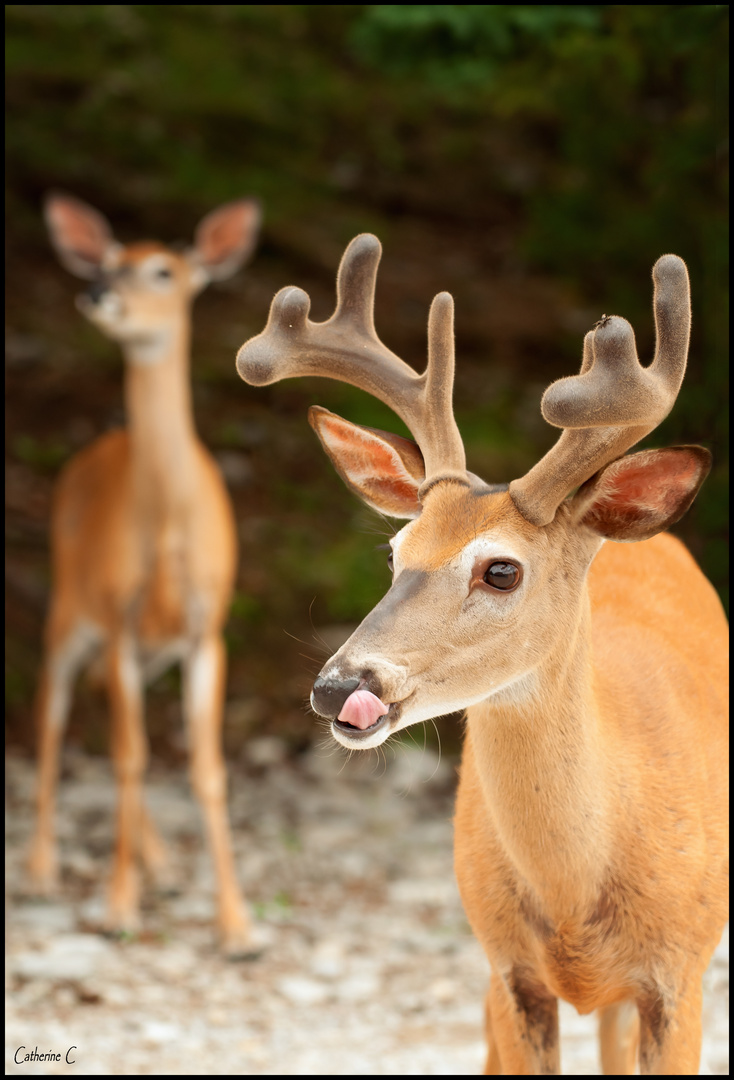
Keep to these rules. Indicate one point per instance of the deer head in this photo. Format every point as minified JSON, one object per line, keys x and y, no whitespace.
{"x":140,"y":291}
{"x":487,"y":578}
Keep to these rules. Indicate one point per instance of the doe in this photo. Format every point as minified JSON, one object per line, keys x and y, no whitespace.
{"x":591,"y":824}
{"x":143,"y":546}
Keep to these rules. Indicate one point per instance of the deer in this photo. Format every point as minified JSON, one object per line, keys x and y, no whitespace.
{"x":143,"y":548}
{"x":591,"y":821}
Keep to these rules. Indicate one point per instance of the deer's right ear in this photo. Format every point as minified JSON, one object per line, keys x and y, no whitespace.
{"x":385,"y":470}
{"x":81,"y":236}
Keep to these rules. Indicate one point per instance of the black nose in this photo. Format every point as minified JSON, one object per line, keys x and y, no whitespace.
{"x":97,"y":289}
{"x":328,"y":695}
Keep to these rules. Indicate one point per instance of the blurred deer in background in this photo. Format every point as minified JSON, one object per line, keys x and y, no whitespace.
{"x":144,"y":545}
{"x":592,"y":820}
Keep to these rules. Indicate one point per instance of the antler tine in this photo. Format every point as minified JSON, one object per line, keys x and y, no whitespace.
{"x":614,"y":402}
{"x":444,"y":450}
{"x":347,"y":348}
{"x":672,"y":305}
{"x":356,"y":279}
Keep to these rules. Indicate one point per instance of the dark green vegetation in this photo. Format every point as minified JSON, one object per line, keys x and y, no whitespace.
{"x":534,"y":161}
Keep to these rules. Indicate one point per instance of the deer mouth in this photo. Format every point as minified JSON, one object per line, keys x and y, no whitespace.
{"x":362,"y":733}
{"x":359,"y":734}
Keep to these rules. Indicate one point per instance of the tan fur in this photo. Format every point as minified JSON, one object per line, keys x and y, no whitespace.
{"x":144,"y":558}
{"x":457,"y":516}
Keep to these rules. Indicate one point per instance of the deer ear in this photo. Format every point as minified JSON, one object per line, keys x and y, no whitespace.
{"x":385,"y":470}
{"x":638,"y":496}
{"x":224,"y":239}
{"x":80,"y":235}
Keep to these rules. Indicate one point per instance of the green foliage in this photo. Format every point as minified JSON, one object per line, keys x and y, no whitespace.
{"x":189,"y":108}
{"x":460,"y":47}
{"x":245,"y":608}
{"x":278,"y":909}
{"x":339,"y":567}
{"x":47,"y":455}
{"x":567,"y":143}
{"x":17,"y":685}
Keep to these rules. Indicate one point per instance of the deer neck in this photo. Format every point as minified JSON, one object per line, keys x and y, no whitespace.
{"x":541,"y":760}
{"x":161,"y":422}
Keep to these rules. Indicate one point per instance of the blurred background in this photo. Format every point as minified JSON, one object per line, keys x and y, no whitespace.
{"x":533,"y":160}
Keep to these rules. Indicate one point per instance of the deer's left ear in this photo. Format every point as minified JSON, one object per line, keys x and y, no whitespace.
{"x":384,"y":470}
{"x":224,"y":239}
{"x":638,"y":496}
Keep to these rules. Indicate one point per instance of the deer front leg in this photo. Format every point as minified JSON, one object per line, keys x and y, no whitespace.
{"x":52,"y":706}
{"x":154,"y":854}
{"x":670,"y":1032}
{"x":492,"y":1066}
{"x":203,"y":704}
{"x":130,"y":757}
{"x":524,"y":1028}
{"x":619,"y":1037}
{"x":64,"y":655}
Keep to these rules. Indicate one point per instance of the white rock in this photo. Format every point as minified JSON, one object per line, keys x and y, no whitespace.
{"x":54,"y":918}
{"x":266,"y":750}
{"x":88,"y":796}
{"x":423,"y":891}
{"x":195,"y":907}
{"x":444,"y":990}
{"x":71,"y":956}
{"x":358,"y":988}
{"x":328,"y":960}
{"x":94,"y":911}
{"x":158,"y":1032}
{"x":83,"y":865}
{"x":301,"y":991}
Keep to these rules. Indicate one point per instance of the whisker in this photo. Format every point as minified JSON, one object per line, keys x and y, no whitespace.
{"x":327,"y":648}
{"x":311,"y":659}
{"x":308,"y":644}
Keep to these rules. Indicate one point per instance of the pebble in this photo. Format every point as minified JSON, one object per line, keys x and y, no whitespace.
{"x":51,"y":918}
{"x":67,"y":956}
{"x":301,"y":991}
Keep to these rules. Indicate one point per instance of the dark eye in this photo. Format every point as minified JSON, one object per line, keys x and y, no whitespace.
{"x":388,"y":549}
{"x":502,"y":575}
{"x":163,"y":272}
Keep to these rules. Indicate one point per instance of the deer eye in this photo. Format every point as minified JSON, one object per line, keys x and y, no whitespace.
{"x":163,"y":272}
{"x":388,"y":549}
{"x":504,"y":576}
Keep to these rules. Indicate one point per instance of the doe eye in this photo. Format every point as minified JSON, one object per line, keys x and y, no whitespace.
{"x":502,"y":575}
{"x":390,"y":562}
{"x":163,"y":272}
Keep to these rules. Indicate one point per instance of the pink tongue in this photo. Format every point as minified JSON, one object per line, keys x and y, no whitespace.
{"x":361,"y":709}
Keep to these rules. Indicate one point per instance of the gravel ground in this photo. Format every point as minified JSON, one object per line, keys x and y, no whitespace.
{"x":367,"y":967}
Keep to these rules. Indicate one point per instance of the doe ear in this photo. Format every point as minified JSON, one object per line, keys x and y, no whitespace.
{"x":224,"y":239}
{"x":638,"y":496}
{"x":385,"y":470}
{"x":81,"y":236}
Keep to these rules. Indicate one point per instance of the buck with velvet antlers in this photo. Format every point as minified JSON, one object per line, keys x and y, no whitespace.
{"x":144,"y":546}
{"x":591,"y":819}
